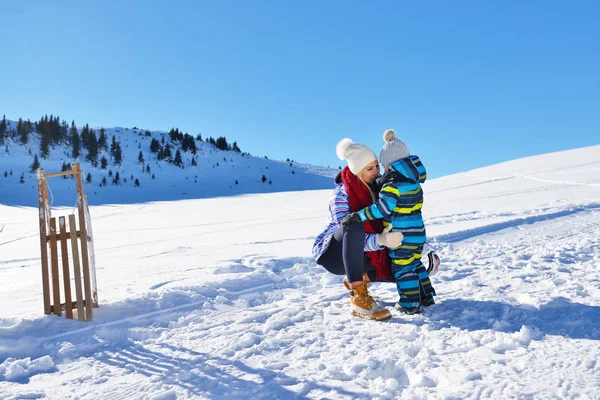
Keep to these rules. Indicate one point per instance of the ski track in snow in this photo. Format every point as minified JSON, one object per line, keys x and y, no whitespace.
{"x":515,"y":222}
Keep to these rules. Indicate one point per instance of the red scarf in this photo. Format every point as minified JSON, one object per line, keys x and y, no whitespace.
{"x":360,"y":197}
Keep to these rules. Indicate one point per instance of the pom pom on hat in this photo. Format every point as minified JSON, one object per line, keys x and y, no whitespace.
{"x":342,"y":148}
{"x":357,"y":155}
{"x":389,"y":135}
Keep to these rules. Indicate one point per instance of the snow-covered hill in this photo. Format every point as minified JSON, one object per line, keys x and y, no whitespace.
{"x":220,"y":298}
{"x":217,"y":173}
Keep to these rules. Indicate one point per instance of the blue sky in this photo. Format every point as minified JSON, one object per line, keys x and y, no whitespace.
{"x":464,"y":83}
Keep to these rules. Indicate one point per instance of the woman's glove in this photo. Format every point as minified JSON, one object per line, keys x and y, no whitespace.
{"x":391,"y":240}
{"x":352,"y":217}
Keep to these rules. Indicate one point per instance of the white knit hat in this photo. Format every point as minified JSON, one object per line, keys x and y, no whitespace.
{"x":357,"y":155}
{"x":393,"y":150}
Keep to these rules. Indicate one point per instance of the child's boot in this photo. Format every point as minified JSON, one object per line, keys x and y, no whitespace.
{"x":408,"y":310}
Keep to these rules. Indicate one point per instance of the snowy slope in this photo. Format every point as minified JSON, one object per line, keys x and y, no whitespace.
{"x":214,"y":175}
{"x":219,"y":298}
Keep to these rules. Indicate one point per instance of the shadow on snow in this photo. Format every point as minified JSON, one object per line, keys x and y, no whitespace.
{"x":560,"y":317}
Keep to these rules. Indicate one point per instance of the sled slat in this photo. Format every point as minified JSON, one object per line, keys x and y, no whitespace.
{"x":64,"y":251}
{"x":59,"y":174}
{"x":68,"y":235}
{"x":76,"y":269}
{"x":54,"y":260}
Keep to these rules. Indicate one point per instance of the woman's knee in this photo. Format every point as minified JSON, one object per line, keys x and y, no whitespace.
{"x":331,"y":260}
{"x":354,"y":229}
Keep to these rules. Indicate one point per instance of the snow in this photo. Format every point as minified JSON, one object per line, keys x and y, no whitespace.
{"x":218,"y":297}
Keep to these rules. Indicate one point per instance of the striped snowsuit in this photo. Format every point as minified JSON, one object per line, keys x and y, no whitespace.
{"x":400,"y":203}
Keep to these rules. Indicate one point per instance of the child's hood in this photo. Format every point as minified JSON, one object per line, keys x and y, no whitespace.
{"x":411,"y":168}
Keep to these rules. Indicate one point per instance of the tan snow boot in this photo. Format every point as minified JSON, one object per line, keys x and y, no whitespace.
{"x":364,"y":306}
{"x":347,"y":284}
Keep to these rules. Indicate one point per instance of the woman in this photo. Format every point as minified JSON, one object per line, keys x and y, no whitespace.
{"x":357,"y":250}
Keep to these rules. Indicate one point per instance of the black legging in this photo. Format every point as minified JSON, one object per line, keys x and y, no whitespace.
{"x":346,"y":256}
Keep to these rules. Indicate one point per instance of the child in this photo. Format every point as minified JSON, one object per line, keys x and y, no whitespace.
{"x":400,"y":203}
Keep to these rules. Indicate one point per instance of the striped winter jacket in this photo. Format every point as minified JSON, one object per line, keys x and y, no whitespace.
{"x":339,"y":207}
{"x":400,"y":202}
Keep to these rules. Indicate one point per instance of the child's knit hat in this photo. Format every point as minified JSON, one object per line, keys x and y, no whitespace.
{"x":393,"y":150}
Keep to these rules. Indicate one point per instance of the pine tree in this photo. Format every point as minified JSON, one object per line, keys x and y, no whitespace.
{"x":29,"y":126}
{"x":75,"y":141}
{"x":116,"y":179}
{"x":221,"y":143}
{"x":103,"y":162}
{"x":118,"y":155}
{"x":88,"y":178}
{"x":141,"y":159}
{"x":147,"y":168}
{"x":44,"y":145}
{"x":263,"y":179}
{"x":22,"y":132}
{"x":188,"y":144}
{"x":55,"y":129}
{"x":36,"y":164}
{"x":137,"y":182}
{"x":102,"y":140}
{"x":2,"y":128}
{"x":167,"y":152}
{"x":64,"y":167}
{"x":113,"y":146}
{"x":92,"y":147}
{"x":64,"y":132}
{"x":103,"y":181}
{"x":116,"y":152}
{"x":22,"y":179}
{"x":178,"y":161}
{"x":85,"y":131}
{"x":175,"y":135}
{"x":154,"y":146}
